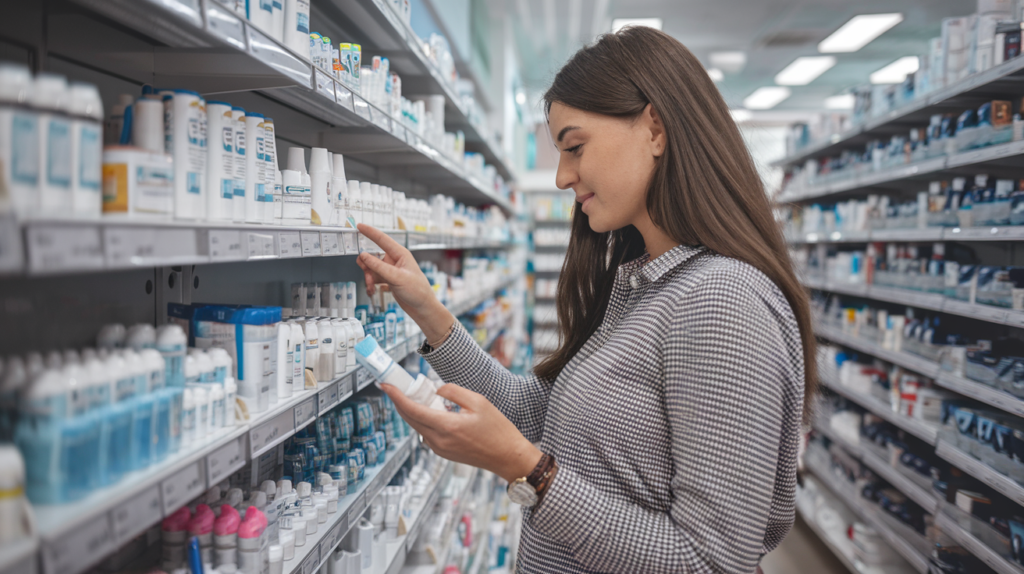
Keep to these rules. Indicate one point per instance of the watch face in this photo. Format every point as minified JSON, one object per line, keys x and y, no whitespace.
{"x":520,"y":492}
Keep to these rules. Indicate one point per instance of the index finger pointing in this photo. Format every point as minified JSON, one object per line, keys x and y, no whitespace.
{"x":383,"y":240}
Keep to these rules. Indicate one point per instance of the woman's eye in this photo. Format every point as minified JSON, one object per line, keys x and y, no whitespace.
{"x":574,"y":148}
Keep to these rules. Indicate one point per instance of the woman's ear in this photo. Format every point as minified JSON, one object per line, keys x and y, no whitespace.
{"x":652,"y":121}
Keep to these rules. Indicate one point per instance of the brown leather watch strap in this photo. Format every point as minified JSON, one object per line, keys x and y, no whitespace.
{"x":542,"y":474}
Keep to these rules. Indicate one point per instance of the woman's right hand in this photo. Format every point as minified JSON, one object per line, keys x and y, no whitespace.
{"x":399,"y":273}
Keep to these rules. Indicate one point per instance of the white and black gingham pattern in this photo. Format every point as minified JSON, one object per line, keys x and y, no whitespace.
{"x":675,"y":427}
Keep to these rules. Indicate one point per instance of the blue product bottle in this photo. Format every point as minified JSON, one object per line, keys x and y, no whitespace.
{"x":39,"y":437}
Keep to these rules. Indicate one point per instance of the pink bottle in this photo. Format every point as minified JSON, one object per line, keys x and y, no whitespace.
{"x":201,"y":526}
{"x":225,"y":536}
{"x":174,"y":533}
{"x":253,"y":552}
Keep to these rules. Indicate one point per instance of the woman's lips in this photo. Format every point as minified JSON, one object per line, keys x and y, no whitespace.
{"x":584,"y":199}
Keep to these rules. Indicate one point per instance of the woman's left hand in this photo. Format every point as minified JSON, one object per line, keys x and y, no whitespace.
{"x":478,"y":435}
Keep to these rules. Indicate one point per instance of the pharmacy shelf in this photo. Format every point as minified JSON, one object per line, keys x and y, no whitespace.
{"x":53,"y":246}
{"x":924,"y":300}
{"x":983,"y":472}
{"x":449,"y":535}
{"x":384,"y":32}
{"x":904,"y":539}
{"x":928,"y":234}
{"x":319,"y":546}
{"x":825,"y":537}
{"x":76,"y":535}
{"x":961,"y":527}
{"x":966,"y":387}
{"x":874,"y":458}
{"x":241,"y":59}
{"x":998,"y":80}
{"x":398,"y":549}
{"x":920,"y":429}
{"x":992,"y":157}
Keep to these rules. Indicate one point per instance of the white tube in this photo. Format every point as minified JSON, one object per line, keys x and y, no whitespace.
{"x":285,"y":361}
{"x":19,"y":138}
{"x":50,"y":97}
{"x":270,"y":168}
{"x":238,"y":204}
{"x":220,"y":164}
{"x":297,"y":159}
{"x":296,"y":27}
{"x":255,"y":167}
{"x":87,"y":150}
{"x":295,"y":197}
{"x":320,"y":186}
{"x":354,"y":213}
{"x":261,"y":14}
{"x":185,"y":138}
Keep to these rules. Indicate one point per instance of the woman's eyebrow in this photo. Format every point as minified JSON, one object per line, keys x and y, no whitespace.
{"x":566,"y":130}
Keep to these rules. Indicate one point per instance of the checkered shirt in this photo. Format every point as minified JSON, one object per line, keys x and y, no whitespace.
{"x":675,"y":427}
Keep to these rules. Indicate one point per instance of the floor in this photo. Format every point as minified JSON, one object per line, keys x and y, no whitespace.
{"x":802,"y":552}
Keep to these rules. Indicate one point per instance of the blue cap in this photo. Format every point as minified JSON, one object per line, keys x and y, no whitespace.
{"x":367,"y":346}
{"x":253,"y":115}
{"x":190,"y":92}
{"x":220,"y":103}
{"x":237,"y":108}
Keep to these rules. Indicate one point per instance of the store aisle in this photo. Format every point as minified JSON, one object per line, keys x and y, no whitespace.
{"x":802,"y":552}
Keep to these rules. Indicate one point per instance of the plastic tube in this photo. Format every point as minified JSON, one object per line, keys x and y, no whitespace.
{"x":421,"y":389}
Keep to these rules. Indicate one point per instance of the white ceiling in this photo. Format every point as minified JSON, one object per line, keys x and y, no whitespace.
{"x":771,"y":32}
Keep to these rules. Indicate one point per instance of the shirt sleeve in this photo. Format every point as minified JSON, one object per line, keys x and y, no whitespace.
{"x":725,"y":367}
{"x":523,"y":400}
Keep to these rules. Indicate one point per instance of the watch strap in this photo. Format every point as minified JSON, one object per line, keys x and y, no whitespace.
{"x":542,"y":474}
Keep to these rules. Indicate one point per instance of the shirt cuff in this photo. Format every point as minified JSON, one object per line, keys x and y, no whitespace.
{"x":455,"y":357}
{"x":572,"y":512}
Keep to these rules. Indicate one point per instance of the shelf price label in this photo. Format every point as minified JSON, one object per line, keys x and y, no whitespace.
{"x":225,"y":460}
{"x":136,"y":514}
{"x":380,"y":119}
{"x":289,"y":244}
{"x":225,"y":245}
{"x":311,"y":562}
{"x":343,"y":96}
{"x":329,"y":244}
{"x":346,"y":386}
{"x":64,"y":248}
{"x":310,"y":243}
{"x":324,"y":85}
{"x":362,"y":108}
{"x":327,"y":398}
{"x":305,"y":412}
{"x":224,"y":25}
{"x":80,"y":547}
{"x":363,"y":379}
{"x":260,"y":245}
{"x":350,"y":241}
{"x":265,"y":435}
{"x":183,"y":486}
{"x":126,"y":246}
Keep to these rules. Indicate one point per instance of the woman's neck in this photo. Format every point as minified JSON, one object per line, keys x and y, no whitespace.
{"x":656,"y":241}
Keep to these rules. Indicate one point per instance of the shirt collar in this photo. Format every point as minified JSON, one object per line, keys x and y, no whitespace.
{"x":650,"y":271}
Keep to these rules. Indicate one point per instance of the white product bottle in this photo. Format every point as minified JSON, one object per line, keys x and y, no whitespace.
{"x":339,"y":187}
{"x":114,"y":124}
{"x":19,"y":139}
{"x":277,"y":22}
{"x":296,"y":199}
{"x":285,"y":361}
{"x":220,"y":163}
{"x":312,"y":347}
{"x":355,"y":204}
{"x":278,"y":197}
{"x":356,"y":334}
{"x":86,"y":150}
{"x":320,"y":186}
{"x":140,"y":336}
{"x":148,"y":125}
{"x":261,"y":14}
{"x":188,"y":418}
{"x":171,"y":342}
{"x":154,"y":362}
{"x":255,"y":167}
{"x":366,"y":196}
{"x":238,"y":211}
{"x":51,"y":98}
{"x":185,"y":140}
{"x":271,"y":200}
{"x":202,"y":401}
{"x":341,"y":338}
{"x":296,"y":27}
{"x":217,"y":406}
{"x":111,"y":336}
{"x":230,"y":391}
{"x":298,"y":342}
{"x":325,"y":371}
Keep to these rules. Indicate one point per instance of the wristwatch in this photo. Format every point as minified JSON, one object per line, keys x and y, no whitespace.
{"x":528,"y":489}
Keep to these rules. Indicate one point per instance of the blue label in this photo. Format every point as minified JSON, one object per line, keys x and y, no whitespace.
{"x":260,"y":192}
{"x":239,"y":188}
{"x":277,"y":5}
{"x":259,"y":150}
{"x":302,"y":23}
{"x":192,"y":182}
{"x":25,"y":149}
{"x":90,"y":158}
{"x":58,"y":153}
{"x":227,"y":188}
{"x":267,"y":5}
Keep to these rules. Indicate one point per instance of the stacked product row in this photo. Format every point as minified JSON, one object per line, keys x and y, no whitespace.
{"x":916,"y":267}
{"x":967,"y":45}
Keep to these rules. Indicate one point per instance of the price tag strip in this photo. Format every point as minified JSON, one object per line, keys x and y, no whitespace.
{"x":310,"y":244}
{"x":350,"y":241}
{"x":136,"y":514}
{"x":324,"y":85}
{"x":183,"y":486}
{"x":305,"y":412}
{"x":225,"y":460}
{"x":224,"y":244}
{"x":327,"y":398}
{"x":80,"y":548}
{"x":289,"y":244}
{"x":312,"y":562}
{"x":64,"y":248}
{"x":271,"y":433}
{"x":225,"y":25}
{"x":260,"y":245}
{"x":329,"y":244}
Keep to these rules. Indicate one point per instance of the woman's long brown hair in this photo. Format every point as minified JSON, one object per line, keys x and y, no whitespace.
{"x":705,"y":189}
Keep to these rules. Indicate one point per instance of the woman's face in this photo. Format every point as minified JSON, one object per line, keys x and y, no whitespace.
{"x":607,"y":161}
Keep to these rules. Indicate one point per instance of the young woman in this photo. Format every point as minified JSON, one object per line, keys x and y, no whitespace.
{"x":662,"y":435}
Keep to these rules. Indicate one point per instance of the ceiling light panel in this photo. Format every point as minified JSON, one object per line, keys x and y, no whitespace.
{"x":897,"y":71}
{"x":620,"y":23}
{"x":716,"y":75}
{"x":804,"y":70}
{"x":858,"y":32}
{"x":766,"y":98}
{"x":730,"y":62}
{"x":841,"y":102}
